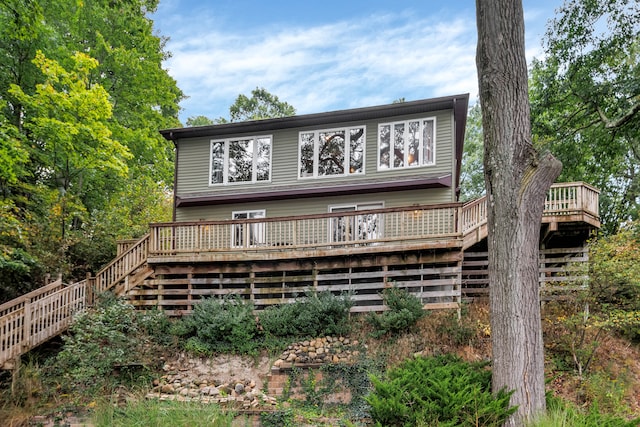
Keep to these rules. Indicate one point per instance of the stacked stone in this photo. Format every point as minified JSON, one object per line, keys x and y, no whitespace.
{"x":238,"y":394}
{"x":319,"y":351}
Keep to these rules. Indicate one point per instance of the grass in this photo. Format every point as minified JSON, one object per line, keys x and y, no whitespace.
{"x":144,"y":413}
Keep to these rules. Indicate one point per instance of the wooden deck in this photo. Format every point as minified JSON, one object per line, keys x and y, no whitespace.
{"x":273,"y":260}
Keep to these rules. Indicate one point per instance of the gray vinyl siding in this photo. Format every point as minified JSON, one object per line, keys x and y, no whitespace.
{"x":193,"y":172}
{"x":315,"y":205}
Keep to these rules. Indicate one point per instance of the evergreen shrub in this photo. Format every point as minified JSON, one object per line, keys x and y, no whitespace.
{"x":438,"y":391}
{"x":404,"y":311}
{"x":311,"y":316}
{"x":220,"y":325}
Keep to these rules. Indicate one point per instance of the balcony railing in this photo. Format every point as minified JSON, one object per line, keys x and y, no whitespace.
{"x":390,"y":226}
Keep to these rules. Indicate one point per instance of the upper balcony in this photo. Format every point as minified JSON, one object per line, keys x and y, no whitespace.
{"x":453,"y":225}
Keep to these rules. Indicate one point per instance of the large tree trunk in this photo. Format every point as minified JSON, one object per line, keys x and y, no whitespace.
{"x":517,"y":180}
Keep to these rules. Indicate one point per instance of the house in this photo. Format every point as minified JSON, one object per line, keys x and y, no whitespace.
{"x":367,"y":158}
{"x":346,"y":201}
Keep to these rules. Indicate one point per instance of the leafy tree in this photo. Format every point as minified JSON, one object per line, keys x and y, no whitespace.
{"x":261,"y":105}
{"x":205,"y":121}
{"x":585,"y":98}
{"x":517,"y":178}
{"x":67,"y":119}
{"x":472,"y":174}
{"x":121,"y":161}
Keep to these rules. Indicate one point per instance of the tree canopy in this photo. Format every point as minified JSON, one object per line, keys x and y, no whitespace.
{"x":82,"y":96}
{"x":585,"y":97}
{"x":261,"y":105}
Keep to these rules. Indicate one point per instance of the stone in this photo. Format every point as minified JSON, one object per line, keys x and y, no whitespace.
{"x":239,"y":388}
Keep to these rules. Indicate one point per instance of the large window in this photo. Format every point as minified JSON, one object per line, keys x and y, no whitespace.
{"x":335,"y":152}
{"x":355,"y":227}
{"x":240,"y":160}
{"x":407,"y":144}
{"x":248,"y":234}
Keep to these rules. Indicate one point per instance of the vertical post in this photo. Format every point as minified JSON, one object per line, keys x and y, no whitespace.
{"x":26,"y":326}
{"x":89,"y":289}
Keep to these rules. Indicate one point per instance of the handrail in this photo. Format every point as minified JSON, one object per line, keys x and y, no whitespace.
{"x":33,"y":318}
{"x":344,"y":229}
{"x":34,"y":295}
{"x":329,"y":230}
{"x":123,"y":265}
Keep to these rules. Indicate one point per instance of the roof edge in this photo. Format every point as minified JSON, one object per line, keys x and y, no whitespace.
{"x":315,"y":119}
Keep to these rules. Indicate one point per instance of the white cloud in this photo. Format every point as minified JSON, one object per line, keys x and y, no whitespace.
{"x":364,"y":61}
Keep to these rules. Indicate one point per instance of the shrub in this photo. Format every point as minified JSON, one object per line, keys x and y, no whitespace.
{"x":221,"y":324}
{"x":438,"y":391}
{"x":314,"y":315}
{"x":100,"y":342}
{"x":404,"y":311}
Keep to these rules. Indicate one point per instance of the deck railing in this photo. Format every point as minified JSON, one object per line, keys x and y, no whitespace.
{"x":331,"y":230}
{"x":570,"y":198}
{"x":348,"y":229}
{"x":123,"y":265}
{"x":36,"y":317}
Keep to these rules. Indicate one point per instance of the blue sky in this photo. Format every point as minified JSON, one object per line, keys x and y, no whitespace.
{"x":326,"y":55}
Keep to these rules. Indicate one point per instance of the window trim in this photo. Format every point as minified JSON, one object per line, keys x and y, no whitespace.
{"x":246,"y":239}
{"x":347,"y":152}
{"x":356,"y":206}
{"x":226,"y":160}
{"x":406,"y":122}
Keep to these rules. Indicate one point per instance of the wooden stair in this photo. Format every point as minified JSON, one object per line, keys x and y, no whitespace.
{"x":44,"y":313}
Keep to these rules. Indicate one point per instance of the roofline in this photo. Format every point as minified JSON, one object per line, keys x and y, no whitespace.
{"x":316,"y":119}
{"x":301,"y":193}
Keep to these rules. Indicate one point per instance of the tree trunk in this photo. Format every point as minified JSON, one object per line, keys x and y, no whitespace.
{"x":517,"y":180}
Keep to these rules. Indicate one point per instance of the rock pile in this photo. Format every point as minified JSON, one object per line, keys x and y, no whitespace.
{"x":185,"y":387}
{"x":320,"y":351}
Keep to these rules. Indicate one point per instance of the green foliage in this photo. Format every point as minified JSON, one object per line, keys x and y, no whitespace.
{"x":404,"y":311}
{"x":107,"y":340}
{"x":83,"y":94}
{"x":19,"y":273}
{"x":614,"y":275}
{"x":584,"y":101}
{"x":560,"y":414}
{"x":261,"y":105}
{"x":472,"y":173}
{"x":312,"y":316}
{"x":278,"y":418}
{"x":221,"y":324}
{"x":438,"y":391}
{"x":142,"y":413}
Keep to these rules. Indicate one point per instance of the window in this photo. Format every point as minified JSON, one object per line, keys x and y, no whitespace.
{"x":249,"y":234}
{"x":240,"y":160}
{"x":335,"y":152}
{"x":406,"y":144}
{"x":355,"y":227}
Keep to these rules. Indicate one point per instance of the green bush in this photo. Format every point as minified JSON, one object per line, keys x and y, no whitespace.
{"x":438,"y":391}
{"x":111,"y":338}
{"x":221,"y":325}
{"x":312,"y":316}
{"x":404,"y":311}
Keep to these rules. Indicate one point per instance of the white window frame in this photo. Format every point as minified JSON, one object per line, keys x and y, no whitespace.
{"x":347,"y":153}
{"x":348,"y":234}
{"x":421,"y":148}
{"x":250,"y":234}
{"x":254,"y":164}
